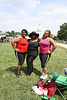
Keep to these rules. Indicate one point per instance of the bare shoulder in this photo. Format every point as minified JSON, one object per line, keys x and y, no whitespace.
{"x":17,"y":39}
{"x":52,"y":42}
{"x":50,"y":39}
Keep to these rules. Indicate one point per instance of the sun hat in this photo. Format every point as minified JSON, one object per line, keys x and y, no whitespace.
{"x":30,"y":35}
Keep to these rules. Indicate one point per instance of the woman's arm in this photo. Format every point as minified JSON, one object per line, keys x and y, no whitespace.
{"x":15,"y":40}
{"x":53,"y":44}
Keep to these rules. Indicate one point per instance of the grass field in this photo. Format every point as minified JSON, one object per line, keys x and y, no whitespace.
{"x":12,"y":88}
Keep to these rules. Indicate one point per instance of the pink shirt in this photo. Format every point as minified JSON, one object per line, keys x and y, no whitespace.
{"x":44,"y":46}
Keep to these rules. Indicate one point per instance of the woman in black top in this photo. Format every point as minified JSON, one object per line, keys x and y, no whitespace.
{"x":32,"y":51}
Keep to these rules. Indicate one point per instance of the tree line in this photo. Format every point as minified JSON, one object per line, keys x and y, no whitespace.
{"x":61,"y":34}
{"x":13,"y":33}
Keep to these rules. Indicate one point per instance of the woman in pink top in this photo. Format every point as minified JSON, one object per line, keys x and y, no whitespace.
{"x":45,"y":51}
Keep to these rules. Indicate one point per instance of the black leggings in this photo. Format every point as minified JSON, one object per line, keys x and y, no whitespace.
{"x":20,"y":57}
{"x":30,"y":59}
{"x":44,"y":59}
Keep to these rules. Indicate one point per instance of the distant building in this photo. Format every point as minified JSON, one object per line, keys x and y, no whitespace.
{"x":39,"y":31}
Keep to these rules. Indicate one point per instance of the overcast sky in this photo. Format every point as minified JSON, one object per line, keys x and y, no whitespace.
{"x":18,"y":14}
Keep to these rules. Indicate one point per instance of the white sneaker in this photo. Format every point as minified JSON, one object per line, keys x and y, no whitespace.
{"x":43,"y":76}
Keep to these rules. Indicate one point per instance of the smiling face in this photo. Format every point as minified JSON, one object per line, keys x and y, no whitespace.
{"x":46,"y":34}
{"x":33,"y":36}
{"x":24,"y":33}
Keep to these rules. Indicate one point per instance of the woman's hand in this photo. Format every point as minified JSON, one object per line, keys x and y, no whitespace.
{"x":39,"y":38}
{"x":48,"y":51}
{"x":17,"y":50}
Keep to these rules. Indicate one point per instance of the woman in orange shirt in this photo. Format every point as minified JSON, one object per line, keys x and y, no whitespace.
{"x":20,"y":49}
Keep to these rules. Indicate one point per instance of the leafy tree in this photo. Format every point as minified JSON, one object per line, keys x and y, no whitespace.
{"x":55,"y":38}
{"x":62,"y":33}
{"x":13,"y":33}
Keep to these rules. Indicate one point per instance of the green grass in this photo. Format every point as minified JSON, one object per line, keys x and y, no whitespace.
{"x":12,"y":88}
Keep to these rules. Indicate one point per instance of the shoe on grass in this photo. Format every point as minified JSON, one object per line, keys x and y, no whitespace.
{"x":18,"y":74}
{"x":43,"y":76}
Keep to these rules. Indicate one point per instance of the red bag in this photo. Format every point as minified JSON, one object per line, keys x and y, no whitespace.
{"x":51,"y":91}
{"x":51,"y":88}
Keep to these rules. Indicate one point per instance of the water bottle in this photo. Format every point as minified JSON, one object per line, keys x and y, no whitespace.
{"x":45,"y":91}
{"x":66,"y":70}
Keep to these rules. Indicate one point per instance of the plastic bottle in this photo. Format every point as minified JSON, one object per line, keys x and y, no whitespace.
{"x":66,"y":70}
{"x":45,"y":91}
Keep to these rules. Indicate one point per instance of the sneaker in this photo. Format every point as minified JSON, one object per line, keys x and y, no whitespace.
{"x":20,"y":74}
{"x":43,"y":76}
{"x":17,"y":75}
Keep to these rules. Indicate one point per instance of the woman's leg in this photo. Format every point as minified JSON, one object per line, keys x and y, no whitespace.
{"x":18,"y":70}
{"x":21,"y":58}
{"x":30,"y":64}
{"x":44,"y":58}
{"x":45,"y":71}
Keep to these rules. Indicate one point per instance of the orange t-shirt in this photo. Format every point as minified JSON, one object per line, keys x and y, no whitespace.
{"x":22,"y":45}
